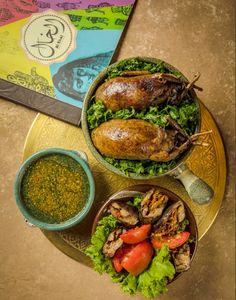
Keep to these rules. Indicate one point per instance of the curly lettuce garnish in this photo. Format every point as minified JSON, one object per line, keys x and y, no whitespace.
{"x":136,"y":64}
{"x":185,"y":115}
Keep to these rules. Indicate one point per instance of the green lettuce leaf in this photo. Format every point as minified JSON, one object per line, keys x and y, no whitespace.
{"x":103,"y":264}
{"x":136,"y":201}
{"x":183,"y":225}
{"x":154,"y":280}
{"x":129,"y":284}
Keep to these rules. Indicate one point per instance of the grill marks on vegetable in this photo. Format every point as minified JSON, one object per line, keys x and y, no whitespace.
{"x":125,"y":213}
{"x":55,"y":188}
{"x":113,"y":243}
{"x":152,"y":206}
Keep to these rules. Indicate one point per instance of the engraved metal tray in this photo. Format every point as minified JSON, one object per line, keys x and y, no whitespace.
{"x":206,"y":162}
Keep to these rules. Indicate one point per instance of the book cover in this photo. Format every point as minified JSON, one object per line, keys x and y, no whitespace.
{"x":51,"y":51}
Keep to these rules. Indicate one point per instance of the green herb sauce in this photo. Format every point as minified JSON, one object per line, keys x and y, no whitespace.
{"x":55,"y":188}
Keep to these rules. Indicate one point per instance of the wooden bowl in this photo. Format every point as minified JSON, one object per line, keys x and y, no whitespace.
{"x":129,"y":192}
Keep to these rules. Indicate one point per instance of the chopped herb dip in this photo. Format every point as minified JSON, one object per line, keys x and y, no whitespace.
{"x":55,"y":188}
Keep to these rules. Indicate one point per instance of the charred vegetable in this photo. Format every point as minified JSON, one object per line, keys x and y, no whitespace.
{"x":113,"y":242}
{"x":181,"y":258}
{"x":170,"y":220}
{"x":125,"y":213}
{"x":153,"y":205}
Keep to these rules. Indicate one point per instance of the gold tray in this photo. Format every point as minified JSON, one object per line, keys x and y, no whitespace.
{"x":206,"y":162}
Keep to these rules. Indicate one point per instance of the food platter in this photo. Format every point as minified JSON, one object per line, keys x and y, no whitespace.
{"x":206,"y":162}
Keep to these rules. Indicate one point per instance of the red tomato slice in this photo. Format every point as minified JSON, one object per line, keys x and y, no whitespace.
{"x":117,"y":264}
{"x":138,"y":258}
{"x":136,"y":235}
{"x":118,"y":257}
{"x":171,"y":241}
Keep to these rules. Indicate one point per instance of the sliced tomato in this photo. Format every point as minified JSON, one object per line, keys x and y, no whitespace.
{"x":120,"y":253}
{"x":136,"y":235}
{"x":117,"y":263}
{"x":138,"y":258}
{"x":171,"y":241}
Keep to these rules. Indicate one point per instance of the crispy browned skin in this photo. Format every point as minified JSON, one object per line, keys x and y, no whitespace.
{"x":139,"y":91}
{"x":134,"y":139}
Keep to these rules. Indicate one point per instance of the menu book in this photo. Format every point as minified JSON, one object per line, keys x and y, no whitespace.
{"x":51,"y":51}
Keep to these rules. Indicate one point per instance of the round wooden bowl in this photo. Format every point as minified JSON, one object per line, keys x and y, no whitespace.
{"x":129,"y":192}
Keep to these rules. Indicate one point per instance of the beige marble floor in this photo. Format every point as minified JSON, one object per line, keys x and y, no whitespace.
{"x":193,"y":36}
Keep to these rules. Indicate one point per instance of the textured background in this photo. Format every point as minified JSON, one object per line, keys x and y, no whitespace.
{"x":193,"y":36}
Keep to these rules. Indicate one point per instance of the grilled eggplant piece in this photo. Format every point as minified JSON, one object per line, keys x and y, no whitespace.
{"x":170,"y":220}
{"x":113,"y":243}
{"x":152,"y":205}
{"x":181,"y":258}
{"x":125,"y":213}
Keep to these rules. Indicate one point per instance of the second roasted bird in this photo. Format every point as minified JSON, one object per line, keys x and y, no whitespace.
{"x":136,"y":139}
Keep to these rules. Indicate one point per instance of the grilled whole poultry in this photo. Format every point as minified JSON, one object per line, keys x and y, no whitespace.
{"x":138,"y":140}
{"x":142,"y":91}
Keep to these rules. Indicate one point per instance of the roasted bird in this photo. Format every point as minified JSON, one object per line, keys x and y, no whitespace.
{"x":142,"y":91}
{"x":140,"y":140}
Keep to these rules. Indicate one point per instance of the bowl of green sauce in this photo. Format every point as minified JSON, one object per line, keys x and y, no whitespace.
{"x":54,"y":188}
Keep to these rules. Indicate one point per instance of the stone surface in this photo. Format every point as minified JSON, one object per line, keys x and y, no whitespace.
{"x":194,"y":36}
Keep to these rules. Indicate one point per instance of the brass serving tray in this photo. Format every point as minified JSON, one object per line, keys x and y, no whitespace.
{"x":206,"y":162}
